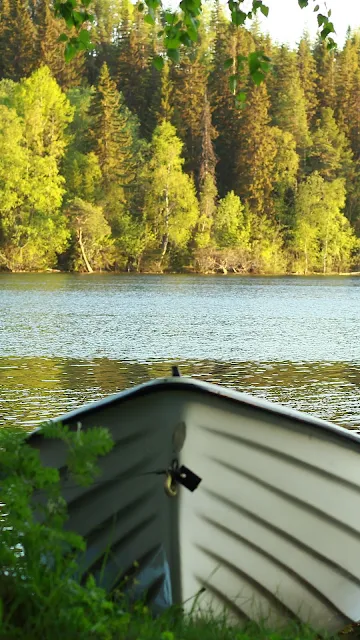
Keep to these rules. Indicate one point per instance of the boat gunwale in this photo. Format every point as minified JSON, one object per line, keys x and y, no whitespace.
{"x":189,"y":384}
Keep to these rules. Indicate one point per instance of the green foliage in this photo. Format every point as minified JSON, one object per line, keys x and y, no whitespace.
{"x":256,"y":153}
{"x":231,"y":228}
{"x":112,"y":132}
{"x":33,"y":228}
{"x":330,"y":155}
{"x":288,"y":99}
{"x":37,"y":578}
{"x":181,"y":28}
{"x":17,"y":40}
{"x":325,"y":76}
{"x":170,"y":205}
{"x":323,"y":238}
{"x":52,"y":46}
{"x":94,"y":246}
{"x":78,"y":185}
{"x":207,"y":208}
{"x":307,"y":73}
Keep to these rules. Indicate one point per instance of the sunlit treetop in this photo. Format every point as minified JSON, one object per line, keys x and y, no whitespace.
{"x":181,"y":28}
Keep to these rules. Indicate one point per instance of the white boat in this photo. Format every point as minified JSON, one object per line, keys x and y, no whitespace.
{"x":272,"y":531}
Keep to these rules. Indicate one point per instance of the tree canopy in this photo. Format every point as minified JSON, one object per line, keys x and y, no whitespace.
{"x":109,"y":163}
{"x":180,"y":29}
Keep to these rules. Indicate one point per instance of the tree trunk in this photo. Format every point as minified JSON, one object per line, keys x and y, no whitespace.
{"x":82,"y":249}
{"x":165,"y":240}
{"x":325,"y":256}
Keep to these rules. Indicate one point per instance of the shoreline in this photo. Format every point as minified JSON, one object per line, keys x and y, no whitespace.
{"x":184,"y":273}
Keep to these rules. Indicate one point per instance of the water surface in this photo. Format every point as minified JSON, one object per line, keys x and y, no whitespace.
{"x":68,"y":339}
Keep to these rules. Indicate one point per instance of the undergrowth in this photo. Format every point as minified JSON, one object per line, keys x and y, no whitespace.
{"x":40,"y":595}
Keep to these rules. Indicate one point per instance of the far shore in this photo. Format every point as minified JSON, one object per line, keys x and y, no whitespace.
{"x":186,"y":272}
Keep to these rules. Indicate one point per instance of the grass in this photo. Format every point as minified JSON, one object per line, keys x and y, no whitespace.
{"x":136,"y":623}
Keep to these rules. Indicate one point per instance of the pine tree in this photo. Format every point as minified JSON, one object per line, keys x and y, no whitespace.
{"x":137,"y":79}
{"x":354,"y":121}
{"x":346,"y":73}
{"x":288,"y":100}
{"x":286,"y":166}
{"x":111,"y":133}
{"x":325,"y":77}
{"x":207,"y":180}
{"x":125,"y":50}
{"x":307,"y":73}
{"x":228,"y":43}
{"x":330,"y":155}
{"x":51,"y":51}
{"x":256,"y":153}
{"x":190,"y":78}
{"x":17,"y":40}
{"x":107,"y":19}
{"x":165,"y":108}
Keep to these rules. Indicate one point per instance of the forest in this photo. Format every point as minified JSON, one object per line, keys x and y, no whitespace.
{"x":110,"y":164}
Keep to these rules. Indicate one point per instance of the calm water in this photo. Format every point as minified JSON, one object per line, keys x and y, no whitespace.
{"x":69,"y":339}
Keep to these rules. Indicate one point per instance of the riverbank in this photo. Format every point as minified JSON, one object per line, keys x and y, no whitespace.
{"x":188,"y":272}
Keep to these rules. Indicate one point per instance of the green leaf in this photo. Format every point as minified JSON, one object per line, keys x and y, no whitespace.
{"x":193,"y":34}
{"x":158,"y":62}
{"x":228,"y":63}
{"x":329,"y":28}
{"x":316,"y":8}
{"x":63,"y":38}
{"x":254,"y":59}
{"x":141,"y":7}
{"x":185,"y":39}
{"x":233,"y":83}
{"x":303,"y":3}
{"x":152,"y":4}
{"x":170,"y":17}
{"x":84,"y":37}
{"x":264,"y":10}
{"x":258,"y":77}
{"x":78,"y":18}
{"x":241,"y":96}
{"x":70,"y":51}
{"x":173,"y":54}
{"x":241,"y":59}
{"x":238,"y":17}
{"x":149,"y":19}
{"x":172,"y":43}
{"x":321,"y":19}
{"x":331,"y":44}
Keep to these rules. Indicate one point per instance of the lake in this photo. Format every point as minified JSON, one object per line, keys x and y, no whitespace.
{"x":67,"y":339}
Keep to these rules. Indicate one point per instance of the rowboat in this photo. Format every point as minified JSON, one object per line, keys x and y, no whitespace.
{"x":222,"y":502}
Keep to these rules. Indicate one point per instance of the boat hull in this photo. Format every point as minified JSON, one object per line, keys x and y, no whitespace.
{"x":271,"y":534}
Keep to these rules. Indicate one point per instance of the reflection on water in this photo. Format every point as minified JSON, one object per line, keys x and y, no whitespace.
{"x":68,"y":339}
{"x":34,"y":389}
